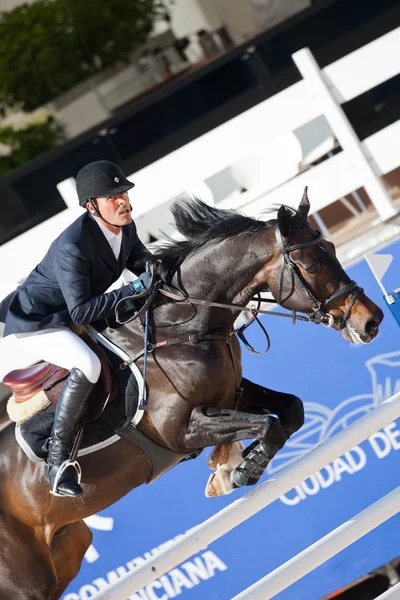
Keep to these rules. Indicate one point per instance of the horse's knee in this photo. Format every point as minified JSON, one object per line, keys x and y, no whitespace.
{"x":291,"y":413}
{"x":274,"y":435}
{"x":295,"y":415}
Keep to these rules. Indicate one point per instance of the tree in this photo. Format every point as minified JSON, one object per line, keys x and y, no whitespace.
{"x":49,"y":46}
{"x":25,"y":136}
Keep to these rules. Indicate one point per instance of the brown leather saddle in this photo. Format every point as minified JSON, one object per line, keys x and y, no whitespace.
{"x":49,"y":378}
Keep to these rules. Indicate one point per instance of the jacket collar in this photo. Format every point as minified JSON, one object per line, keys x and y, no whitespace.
{"x":102,"y":245}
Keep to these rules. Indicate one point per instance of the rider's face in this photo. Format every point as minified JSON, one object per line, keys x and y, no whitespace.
{"x":115,"y":209}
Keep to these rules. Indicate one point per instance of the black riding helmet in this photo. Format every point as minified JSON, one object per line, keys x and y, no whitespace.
{"x":101,"y":178}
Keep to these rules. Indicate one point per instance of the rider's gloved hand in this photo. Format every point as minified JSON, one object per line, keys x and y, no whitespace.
{"x":141,"y":284}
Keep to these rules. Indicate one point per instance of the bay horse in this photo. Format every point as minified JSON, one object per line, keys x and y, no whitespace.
{"x":197,"y":395}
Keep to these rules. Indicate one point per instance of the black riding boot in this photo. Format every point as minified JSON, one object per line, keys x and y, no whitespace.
{"x":70,"y":410}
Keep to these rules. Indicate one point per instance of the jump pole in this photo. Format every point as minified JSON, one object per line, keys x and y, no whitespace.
{"x":248,"y":505}
{"x":328,"y":546}
{"x":392,"y":594}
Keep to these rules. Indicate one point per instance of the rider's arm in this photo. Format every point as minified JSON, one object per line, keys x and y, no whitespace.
{"x":73,"y":272}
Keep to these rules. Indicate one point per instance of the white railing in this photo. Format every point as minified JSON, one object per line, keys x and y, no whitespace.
{"x":360,"y":164}
{"x":285,"y":112}
{"x":327,"y":547}
{"x":393,"y":593}
{"x":263,"y":495}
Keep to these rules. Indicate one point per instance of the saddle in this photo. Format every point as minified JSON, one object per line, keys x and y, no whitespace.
{"x":48,"y":378}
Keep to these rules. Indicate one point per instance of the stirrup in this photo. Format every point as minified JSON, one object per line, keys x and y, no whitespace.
{"x":61,"y":469}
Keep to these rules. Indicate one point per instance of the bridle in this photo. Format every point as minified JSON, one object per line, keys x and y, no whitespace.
{"x":319,"y":307}
{"x":320,"y":314}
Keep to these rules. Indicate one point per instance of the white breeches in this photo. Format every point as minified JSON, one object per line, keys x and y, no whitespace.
{"x":61,"y":347}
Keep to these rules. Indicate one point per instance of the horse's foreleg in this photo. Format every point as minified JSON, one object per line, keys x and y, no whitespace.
{"x":213,"y":426}
{"x":258,"y":399}
{"x":26,"y":568}
{"x":216,"y":427}
{"x":67,"y":552}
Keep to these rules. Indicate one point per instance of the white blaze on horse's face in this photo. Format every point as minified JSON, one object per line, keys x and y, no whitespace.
{"x":311,"y":280}
{"x":363,"y":326}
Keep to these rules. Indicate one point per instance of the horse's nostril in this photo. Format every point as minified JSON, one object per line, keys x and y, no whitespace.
{"x":371,"y":326}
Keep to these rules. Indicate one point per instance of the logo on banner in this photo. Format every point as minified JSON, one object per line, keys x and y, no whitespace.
{"x":322,"y":423}
{"x":186,"y":576}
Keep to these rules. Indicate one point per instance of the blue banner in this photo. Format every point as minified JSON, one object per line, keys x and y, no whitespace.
{"x":338,"y":384}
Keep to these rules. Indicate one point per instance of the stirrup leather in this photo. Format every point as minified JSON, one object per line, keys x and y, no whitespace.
{"x":62,"y":468}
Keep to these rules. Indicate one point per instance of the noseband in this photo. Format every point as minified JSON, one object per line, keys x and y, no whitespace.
{"x":319,"y":307}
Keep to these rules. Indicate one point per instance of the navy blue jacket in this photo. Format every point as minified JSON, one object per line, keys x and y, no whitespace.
{"x":69,"y":284}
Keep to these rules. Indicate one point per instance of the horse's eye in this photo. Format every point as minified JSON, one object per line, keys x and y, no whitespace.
{"x":312,"y":269}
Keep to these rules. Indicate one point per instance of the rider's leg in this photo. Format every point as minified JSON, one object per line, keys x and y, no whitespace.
{"x":64,"y":348}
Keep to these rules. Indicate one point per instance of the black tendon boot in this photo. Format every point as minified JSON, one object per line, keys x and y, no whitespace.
{"x":255,"y":461}
{"x":64,"y":477}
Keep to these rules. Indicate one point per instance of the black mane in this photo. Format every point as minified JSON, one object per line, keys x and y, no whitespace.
{"x":201,"y":224}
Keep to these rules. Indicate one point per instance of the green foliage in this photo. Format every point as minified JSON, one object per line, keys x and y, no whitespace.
{"x":25,"y":144}
{"x":49,"y":46}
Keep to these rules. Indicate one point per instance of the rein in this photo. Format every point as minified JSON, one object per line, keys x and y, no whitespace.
{"x":188,"y":300}
{"x":320,"y":314}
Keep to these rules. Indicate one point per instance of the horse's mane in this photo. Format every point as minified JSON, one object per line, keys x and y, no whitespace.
{"x":201,"y":224}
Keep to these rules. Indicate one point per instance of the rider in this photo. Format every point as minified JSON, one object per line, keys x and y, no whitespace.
{"x":69,"y":284}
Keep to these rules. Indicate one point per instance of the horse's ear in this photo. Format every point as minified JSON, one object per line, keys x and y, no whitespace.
{"x":285,"y":221}
{"x":304,"y":205}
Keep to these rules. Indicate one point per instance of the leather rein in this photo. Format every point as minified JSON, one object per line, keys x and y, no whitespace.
{"x":320,"y":315}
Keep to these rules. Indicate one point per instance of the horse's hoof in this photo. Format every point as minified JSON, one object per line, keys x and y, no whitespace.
{"x":226,"y":454}
{"x":219,"y":483}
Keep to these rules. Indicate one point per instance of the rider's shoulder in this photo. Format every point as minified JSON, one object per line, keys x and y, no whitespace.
{"x":74,"y":236}
{"x":76,"y":232}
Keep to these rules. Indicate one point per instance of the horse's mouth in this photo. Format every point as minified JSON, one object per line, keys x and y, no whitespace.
{"x":350,"y":334}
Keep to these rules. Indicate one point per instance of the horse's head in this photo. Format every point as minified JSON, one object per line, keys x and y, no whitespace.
{"x":228,"y":257}
{"x":306,"y":276}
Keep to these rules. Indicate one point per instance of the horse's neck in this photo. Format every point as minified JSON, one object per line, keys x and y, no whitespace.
{"x":226,"y":272}
{"x":222,"y":273}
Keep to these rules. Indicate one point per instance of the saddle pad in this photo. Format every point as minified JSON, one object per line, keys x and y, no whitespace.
{"x":33,"y":434}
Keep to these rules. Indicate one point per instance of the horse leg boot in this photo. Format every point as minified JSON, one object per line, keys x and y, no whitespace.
{"x":255,"y":460}
{"x":211,"y":426}
{"x":60,"y":473}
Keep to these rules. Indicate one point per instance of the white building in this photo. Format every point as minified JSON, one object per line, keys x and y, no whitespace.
{"x":95,"y":100}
